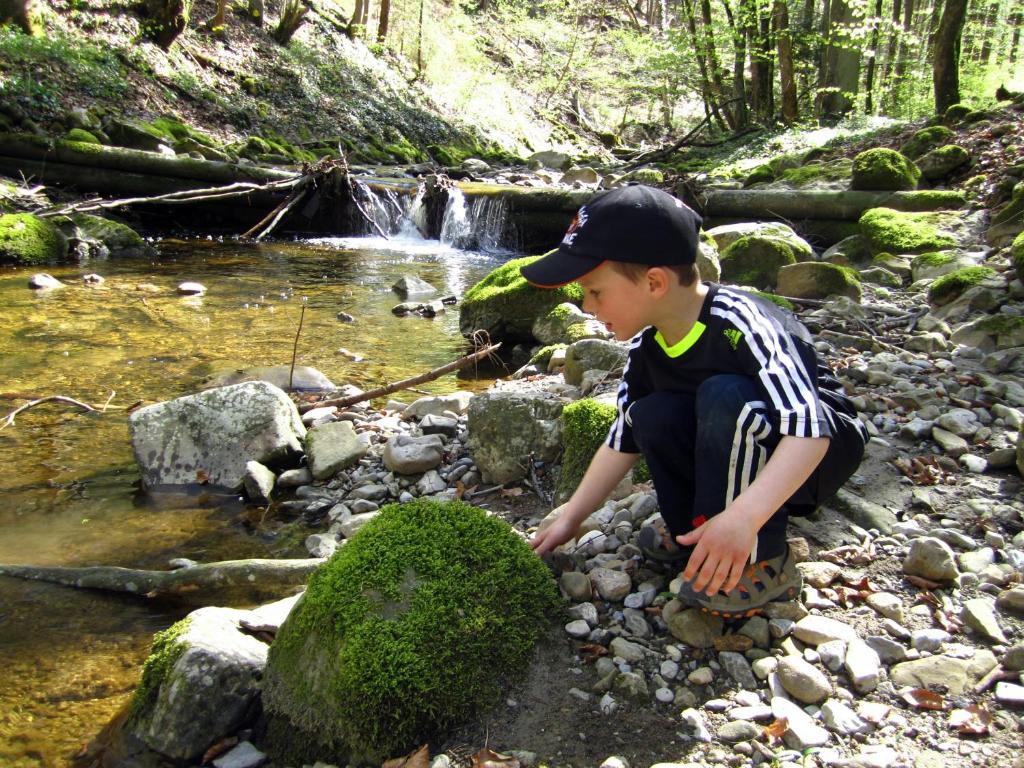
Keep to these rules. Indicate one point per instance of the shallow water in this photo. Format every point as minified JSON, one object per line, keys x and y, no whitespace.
{"x":70,"y":658}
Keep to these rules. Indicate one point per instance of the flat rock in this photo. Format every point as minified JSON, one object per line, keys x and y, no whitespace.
{"x":738,"y":730}
{"x":333,"y":447}
{"x":801,"y":730}
{"x":739,"y":669}
{"x":695,"y":628}
{"x":815,"y":630}
{"x":863,"y":666}
{"x":980,"y":616}
{"x":610,"y":584}
{"x":409,"y":455}
{"x":839,"y":718}
{"x":956,"y":674}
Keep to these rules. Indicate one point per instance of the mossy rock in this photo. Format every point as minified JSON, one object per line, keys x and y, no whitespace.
{"x":609,"y":140}
{"x":120,"y":239}
{"x":818,"y":280}
{"x":755,"y":260}
{"x":926,"y":140}
{"x":410,"y":630}
{"x":941,"y":162}
{"x":27,"y":240}
{"x":760,"y":175}
{"x":506,"y":306}
{"x":881,"y":276}
{"x":817,"y":173}
{"x":932,"y":200}
{"x":955,"y":113}
{"x":542,"y":356}
{"x":893,"y":231}
{"x":586,"y":424}
{"x":163,"y":655}
{"x":948,"y":287}
{"x":848,"y":251}
{"x":726,"y":234}
{"x":446,"y":156}
{"x":1017,"y":255}
{"x":885,"y":170}
{"x":779,"y":301}
{"x":81,"y":135}
{"x":645,"y":176}
{"x":782,"y":163}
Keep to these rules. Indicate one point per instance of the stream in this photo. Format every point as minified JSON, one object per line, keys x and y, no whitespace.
{"x":71,"y":658}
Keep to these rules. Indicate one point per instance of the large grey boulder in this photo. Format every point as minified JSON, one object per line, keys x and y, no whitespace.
{"x":593,"y":355}
{"x":818,"y":280}
{"x":567,"y":323}
{"x":507,"y":425}
{"x":208,"y":437}
{"x":410,"y":455}
{"x":727,"y":234}
{"x":456,"y":402}
{"x":199,"y":685}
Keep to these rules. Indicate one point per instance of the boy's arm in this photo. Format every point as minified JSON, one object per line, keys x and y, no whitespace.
{"x":606,"y":470}
{"x":723,"y":544}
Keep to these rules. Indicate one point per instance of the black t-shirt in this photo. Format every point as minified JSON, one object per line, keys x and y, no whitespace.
{"x":736,"y":332}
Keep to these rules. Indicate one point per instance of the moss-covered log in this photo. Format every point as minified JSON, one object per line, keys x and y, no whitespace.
{"x":843,"y":205}
{"x":195,"y":583}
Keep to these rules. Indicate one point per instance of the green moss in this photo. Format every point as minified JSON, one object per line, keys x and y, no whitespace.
{"x":447,"y":156}
{"x":780,"y":301}
{"x":576,"y":332}
{"x":507,"y":279}
{"x":760,"y":174}
{"x":933,"y":259}
{"x":900,"y":232}
{"x":805,"y":174}
{"x":931,"y":200}
{"x":82,"y":135}
{"x":412,"y":628}
{"x":883,"y":169}
{"x":646,"y":176}
{"x":1017,"y":255}
{"x":586,"y":423}
{"x":163,"y":656}
{"x":955,"y":113}
{"x":925,"y":140}
{"x":26,"y":240}
{"x":543,"y":355}
{"x":755,"y":260}
{"x":948,"y":287}
{"x":116,"y":236}
{"x":1002,"y":325}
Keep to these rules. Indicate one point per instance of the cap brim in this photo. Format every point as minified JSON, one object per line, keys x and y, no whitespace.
{"x":558,"y":268}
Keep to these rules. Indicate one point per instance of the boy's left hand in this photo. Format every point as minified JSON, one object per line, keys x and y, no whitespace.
{"x":722,"y":548}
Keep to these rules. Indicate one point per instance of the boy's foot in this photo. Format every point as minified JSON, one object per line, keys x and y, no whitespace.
{"x":762,"y":582}
{"x":656,"y":542}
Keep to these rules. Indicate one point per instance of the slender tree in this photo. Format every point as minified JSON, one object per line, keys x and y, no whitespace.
{"x":787,"y":81}
{"x":946,"y":74}
{"x":384,"y":20}
{"x":869,"y":77}
{"x":840,"y":75}
{"x":26,"y":14}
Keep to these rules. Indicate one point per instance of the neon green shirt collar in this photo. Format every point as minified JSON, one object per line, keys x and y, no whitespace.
{"x":684,"y":343}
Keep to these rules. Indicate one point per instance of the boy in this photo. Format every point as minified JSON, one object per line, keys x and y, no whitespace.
{"x":722,"y":394}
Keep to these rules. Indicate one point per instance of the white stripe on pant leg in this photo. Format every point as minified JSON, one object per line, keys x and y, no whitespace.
{"x":747,"y":455}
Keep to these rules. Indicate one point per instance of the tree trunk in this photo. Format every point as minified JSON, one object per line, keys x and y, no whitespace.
{"x":787,"y":82}
{"x":796,"y":204}
{"x":988,"y":25}
{"x":762,"y":97}
{"x":714,"y":66}
{"x":707,"y":92}
{"x":26,"y":14}
{"x":890,"y":51}
{"x":292,"y":15}
{"x":946,"y":77}
{"x":842,"y":65}
{"x":1016,"y":20}
{"x":358,"y":23}
{"x":257,"y":11}
{"x":385,"y":19}
{"x":165,"y":20}
{"x":869,"y":80}
{"x":419,"y":44}
{"x":739,"y":84}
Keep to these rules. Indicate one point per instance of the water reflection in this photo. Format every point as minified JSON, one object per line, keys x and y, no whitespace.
{"x":71,"y":658}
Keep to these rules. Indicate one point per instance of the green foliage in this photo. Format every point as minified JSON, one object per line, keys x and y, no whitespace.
{"x":805,"y":174}
{"x":1017,"y":255}
{"x":26,"y":240}
{"x":413,"y":627}
{"x":934,"y":259}
{"x":883,"y":169}
{"x":948,"y":287}
{"x":85,"y":68}
{"x":899,"y":232}
{"x":163,"y":656}
{"x":80,"y":134}
{"x":586,"y":423}
{"x":542,"y":356}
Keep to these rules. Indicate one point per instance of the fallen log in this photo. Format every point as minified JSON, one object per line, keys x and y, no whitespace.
{"x":191,"y":582}
{"x":795,"y":204}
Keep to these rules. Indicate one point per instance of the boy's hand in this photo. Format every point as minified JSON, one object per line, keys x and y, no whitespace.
{"x":559,"y":532}
{"x":722,"y":548}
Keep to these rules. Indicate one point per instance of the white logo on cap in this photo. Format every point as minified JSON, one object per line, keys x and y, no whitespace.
{"x":575,"y":226}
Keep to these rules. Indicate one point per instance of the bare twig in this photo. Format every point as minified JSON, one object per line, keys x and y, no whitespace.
{"x":9,"y":420}
{"x":531,"y":471}
{"x":295,"y":347}
{"x":462,"y":362}
{"x":275,"y":216}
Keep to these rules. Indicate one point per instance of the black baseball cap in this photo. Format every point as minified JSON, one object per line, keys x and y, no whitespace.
{"x":633,"y":223}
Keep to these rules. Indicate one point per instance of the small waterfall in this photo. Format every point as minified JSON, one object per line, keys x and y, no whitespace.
{"x":383,"y":206}
{"x":478,"y":226}
{"x":456,"y":227}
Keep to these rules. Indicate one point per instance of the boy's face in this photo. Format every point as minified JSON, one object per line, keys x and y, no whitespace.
{"x":622,"y":305}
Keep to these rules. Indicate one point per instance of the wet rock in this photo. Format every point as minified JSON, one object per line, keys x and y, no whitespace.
{"x":931,"y":559}
{"x":191,"y":289}
{"x":408,"y":455}
{"x":44,"y":282}
{"x":410,"y":285}
{"x":207,"y":692}
{"x":333,"y":447}
{"x":211,"y":435}
{"x":258,"y":482}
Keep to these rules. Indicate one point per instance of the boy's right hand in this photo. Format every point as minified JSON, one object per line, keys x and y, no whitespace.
{"x":556,"y":529}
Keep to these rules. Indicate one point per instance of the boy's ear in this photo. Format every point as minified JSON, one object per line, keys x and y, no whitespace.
{"x":657,"y":281}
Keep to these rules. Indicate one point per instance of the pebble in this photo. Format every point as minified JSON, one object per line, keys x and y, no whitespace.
{"x":738,"y":668}
{"x":191,"y":289}
{"x":816,"y":630}
{"x":803,"y":681}
{"x":932,"y":559}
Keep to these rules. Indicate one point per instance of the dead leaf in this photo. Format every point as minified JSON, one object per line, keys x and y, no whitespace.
{"x":511,"y":492}
{"x":219,"y":748}
{"x":202,"y":476}
{"x":460,"y":489}
{"x":737,"y":643}
{"x":776,"y":730}
{"x":921,"y":582}
{"x":592,"y":652}
{"x":486,"y":758}
{"x":922,"y":698}
{"x":418,"y":759}
{"x":971,"y":721}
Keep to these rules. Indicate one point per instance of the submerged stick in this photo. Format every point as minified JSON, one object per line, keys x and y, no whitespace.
{"x":9,"y":420}
{"x":254,"y":574}
{"x":462,"y":362}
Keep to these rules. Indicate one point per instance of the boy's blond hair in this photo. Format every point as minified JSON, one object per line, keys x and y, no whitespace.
{"x":687,"y":273}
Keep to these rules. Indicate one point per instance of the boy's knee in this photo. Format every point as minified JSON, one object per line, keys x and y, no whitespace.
{"x":727,"y":392}
{"x":652,"y":416}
